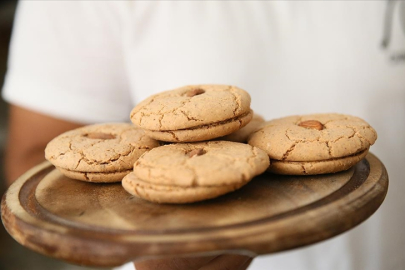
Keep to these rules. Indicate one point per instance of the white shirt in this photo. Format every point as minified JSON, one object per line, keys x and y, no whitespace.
{"x":92,"y":61}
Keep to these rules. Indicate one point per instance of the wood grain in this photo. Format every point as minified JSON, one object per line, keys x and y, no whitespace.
{"x":102,"y":225}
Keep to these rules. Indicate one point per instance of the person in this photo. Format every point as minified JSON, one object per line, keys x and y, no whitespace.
{"x":79,"y":62}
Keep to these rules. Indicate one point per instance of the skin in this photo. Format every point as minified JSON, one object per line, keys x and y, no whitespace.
{"x":28,"y":134}
{"x":221,"y":262}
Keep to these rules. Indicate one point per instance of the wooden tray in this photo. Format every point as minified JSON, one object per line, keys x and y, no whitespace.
{"x":102,"y":225}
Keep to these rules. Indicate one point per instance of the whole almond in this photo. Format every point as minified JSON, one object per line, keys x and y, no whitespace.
{"x":195,"y":92}
{"x":311,"y":124}
{"x":196,"y":152}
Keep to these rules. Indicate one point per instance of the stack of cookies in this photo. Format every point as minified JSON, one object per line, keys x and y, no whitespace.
{"x":196,"y":165}
{"x":193,"y":113}
{"x":199,"y":142}
{"x":175,"y":150}
{"x":101,"y":153}
{"x":315,"y":143}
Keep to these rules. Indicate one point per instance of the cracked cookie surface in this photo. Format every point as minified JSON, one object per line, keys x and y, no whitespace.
{"x":314,"y":138}
{"x":203,"y":111}
{"x":99,"y":153}
{"x":189,"y":172}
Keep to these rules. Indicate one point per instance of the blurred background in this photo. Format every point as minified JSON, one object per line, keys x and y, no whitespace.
{"x":13,"y":256}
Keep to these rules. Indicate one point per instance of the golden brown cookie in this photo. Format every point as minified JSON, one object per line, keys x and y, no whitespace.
{"x":314,"y":144}
{"x":190,"y":172}
{"x":193,"y":113}
{"x":99,"y":153}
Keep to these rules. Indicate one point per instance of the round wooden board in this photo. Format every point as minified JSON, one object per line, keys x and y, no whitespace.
{"x":103,"y":225}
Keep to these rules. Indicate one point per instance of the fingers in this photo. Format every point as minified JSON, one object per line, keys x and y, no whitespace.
{"x":222,"y":262}
{"x":228,"y":262}
{"x":187,"y":263}
{"x":246,"y":264}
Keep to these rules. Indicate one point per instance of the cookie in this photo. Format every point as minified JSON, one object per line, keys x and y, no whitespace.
{"x":193,"y":113}
{"x":315,"y":143}
{"x":191,"y":172}
{"x":242,"y":134}
{"x":99,"y":153}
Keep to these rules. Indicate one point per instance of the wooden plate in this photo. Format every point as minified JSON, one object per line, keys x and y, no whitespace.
{"x":103,"y":225}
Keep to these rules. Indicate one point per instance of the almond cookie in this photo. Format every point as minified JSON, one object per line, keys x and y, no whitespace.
{"x":190,"y":172}
{"x":193,"y":113}
{"x":314,"y":144}
{"x":242,"y":134}
{"x":99,"y":153}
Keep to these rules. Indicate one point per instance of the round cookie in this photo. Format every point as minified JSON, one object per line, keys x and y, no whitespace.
{"x":243,"y":134}
{"x":190,"y":172}
{"x":193,"y":113}
{"x":99,"y":153}
{"x":315,"y":143}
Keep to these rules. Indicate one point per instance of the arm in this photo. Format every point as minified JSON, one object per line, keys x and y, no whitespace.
{"x":28,"y":134}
